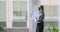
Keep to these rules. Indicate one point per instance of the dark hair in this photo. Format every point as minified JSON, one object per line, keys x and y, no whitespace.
{"x":41,"y":7}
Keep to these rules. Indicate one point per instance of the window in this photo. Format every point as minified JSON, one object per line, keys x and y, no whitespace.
{"x":19,"y":13}
{"x":19,"y":24}
{"x":3,"y":13}
{"x":20,"y":10}
{"x":51,"y":12}
{"x":50,"y":9}
{"x":50,"y":23}
{"x":3,"y":24}
{"x":3,"y":10}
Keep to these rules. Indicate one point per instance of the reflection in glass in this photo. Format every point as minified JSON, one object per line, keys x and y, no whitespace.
{"x":3,"y":10}
{"x":19,"y":24}
{"x":20,"y":10}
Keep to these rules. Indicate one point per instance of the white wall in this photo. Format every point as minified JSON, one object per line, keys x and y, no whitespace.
{"x":48,"y":2}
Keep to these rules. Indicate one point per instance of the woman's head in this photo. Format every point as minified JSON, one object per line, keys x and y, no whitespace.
{"x":41,"y":8}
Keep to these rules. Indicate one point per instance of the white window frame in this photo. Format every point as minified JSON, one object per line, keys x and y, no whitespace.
{"x":9,"y":13}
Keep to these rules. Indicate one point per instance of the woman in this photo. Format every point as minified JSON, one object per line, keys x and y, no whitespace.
{"x":40,"y":22}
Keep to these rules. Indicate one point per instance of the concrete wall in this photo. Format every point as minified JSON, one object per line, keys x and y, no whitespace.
{"x":17,"y":30}
{"x":22,"y":30}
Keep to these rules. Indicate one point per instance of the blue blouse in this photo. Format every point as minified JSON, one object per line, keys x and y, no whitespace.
{"x":35,"y":16}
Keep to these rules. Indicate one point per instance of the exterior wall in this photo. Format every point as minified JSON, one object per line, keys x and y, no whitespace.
{"x":49,"y":2}
{"x":9,"y":16}
{"x":17,"y":30}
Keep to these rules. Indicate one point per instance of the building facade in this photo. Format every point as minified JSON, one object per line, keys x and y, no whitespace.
{"x":15,"y":14}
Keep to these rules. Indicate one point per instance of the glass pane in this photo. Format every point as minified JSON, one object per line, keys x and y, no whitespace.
{"x":19,"y":24}
{"x":23,"y":5}
{"x":23,"y":10}
{"x":3,"y":24}
{"x":48,"y":9}
{"x":2,"y":0}
{"x":56,"y":10}
{"x":50,"y":23}
{"x":20,"y":10}
{"x":2,"y":10}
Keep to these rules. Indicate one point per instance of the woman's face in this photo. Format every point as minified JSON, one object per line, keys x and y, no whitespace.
{"x":40,"y":10}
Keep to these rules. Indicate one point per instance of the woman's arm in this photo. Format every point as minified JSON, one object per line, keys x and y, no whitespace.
{"x":41,"y":18}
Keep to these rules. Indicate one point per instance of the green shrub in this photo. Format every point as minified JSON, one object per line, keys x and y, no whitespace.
{"x":55,"y":29}
{"x":2,"y":29}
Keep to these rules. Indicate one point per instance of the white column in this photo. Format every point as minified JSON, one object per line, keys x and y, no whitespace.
{"x":9,"y":13}
{"x":59,"y":14}
{"x":28,"y":13}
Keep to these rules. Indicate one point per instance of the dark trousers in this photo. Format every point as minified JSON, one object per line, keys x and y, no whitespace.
{"x":40,"y":27}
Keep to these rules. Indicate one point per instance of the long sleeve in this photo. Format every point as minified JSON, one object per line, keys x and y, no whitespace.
{"x":35,"y":16}
{"x":41,"y":17}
